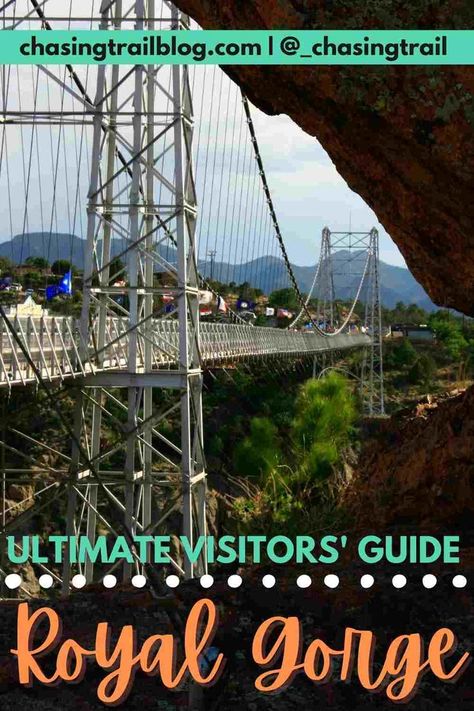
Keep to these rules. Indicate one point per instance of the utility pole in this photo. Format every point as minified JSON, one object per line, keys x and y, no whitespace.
{"x":212,"y":254}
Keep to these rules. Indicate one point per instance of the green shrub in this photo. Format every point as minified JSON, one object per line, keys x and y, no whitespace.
{"x":324,"y":419}
{"x":403,"y":354}
{"x":449,"y":333}
{"x":294,"y":469}
{"x":258,"y":453}
{"x":422,"y":370}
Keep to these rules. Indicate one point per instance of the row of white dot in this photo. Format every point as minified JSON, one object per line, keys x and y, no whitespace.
{"x":46,"y":581}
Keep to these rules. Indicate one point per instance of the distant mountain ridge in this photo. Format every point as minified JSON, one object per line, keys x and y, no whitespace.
{"x":397,"y":283}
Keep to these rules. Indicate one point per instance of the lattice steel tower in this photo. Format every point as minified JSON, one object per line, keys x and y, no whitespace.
{"x":142,"y":191}
{"x":372,"y":382}
{"x":350,"y":264}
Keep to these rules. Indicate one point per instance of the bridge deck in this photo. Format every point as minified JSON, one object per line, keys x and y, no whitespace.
{"x":54,"y":345}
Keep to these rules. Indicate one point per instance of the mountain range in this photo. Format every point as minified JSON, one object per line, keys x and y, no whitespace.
{"x":266,"y":273}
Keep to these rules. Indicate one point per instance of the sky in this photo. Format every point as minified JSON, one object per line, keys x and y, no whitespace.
{"x":309,"y":193}
{"x":307,"y":190}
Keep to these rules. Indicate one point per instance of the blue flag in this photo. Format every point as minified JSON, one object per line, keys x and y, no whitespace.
{"x":66,"y":283}
{"x":64,"y":287}
{"x":245,"y":304}
{"x":52,"y":291}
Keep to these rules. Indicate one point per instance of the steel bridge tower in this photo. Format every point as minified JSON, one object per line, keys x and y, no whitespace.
{"x":372,"y":383}
{"x":128,"y":475}
{"x":352,"y":259}
{"x":141,"y":190}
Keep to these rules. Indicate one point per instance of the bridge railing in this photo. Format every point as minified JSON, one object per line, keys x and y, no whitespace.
{"x":53,"y":346}
{"x":220,"y":342}
{"x":51,"y":343}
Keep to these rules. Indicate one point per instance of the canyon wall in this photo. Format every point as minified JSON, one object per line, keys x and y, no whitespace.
{"x":417,"y":468}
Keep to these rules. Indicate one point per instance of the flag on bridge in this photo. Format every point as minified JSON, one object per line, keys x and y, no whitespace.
{"x":64,"y":287}
{"x":221,"y":305}
{"x":205,"y":297}
{"x":66,"y":283}
{"x":52,"y":291}
{"x":246,"y":305}
{"x":269,"y":311}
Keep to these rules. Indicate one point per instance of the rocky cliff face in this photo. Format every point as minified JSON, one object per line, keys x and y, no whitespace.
{"x":417,"y":468}
{"x":402,"y":137}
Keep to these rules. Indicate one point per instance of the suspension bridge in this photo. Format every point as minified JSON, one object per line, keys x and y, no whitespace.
{"x":158,"y":170}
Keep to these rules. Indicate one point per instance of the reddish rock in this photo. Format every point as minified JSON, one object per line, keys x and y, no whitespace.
{"x":418,"y":469}
{"x":402,"y":137}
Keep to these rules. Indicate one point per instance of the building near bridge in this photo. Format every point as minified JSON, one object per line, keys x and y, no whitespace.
{"x":421,"y":332}
{"x":21,"y":270}
{"x":28,"y":307}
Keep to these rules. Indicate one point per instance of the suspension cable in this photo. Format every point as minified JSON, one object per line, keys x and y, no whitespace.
{"x":274,"y":218}
{"x":271,"y":207}
{"x":310,"y":293}
{"x":303,"y":302}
